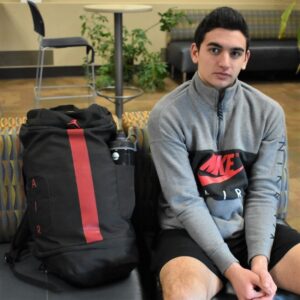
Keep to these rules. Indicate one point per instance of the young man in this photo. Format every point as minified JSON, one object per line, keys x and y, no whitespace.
{"x":219,"y":147}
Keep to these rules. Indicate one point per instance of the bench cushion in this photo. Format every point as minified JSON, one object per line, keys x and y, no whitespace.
{"x":273,"y":55}
{"x":178,"y":55}
{"x":135,"y":118}
{"x":12,"y":196}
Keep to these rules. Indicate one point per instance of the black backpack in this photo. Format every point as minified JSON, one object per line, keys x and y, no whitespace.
{"x":79,"y":202}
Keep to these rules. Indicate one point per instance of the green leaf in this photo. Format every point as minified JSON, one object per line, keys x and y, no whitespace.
{"x":152,"y":72}
{"x":285,"y":18}
{"x":170,"y":18}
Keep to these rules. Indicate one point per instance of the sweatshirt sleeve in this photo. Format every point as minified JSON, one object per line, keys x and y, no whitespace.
{"x":179,"y":188}
{"x":265,"y":187}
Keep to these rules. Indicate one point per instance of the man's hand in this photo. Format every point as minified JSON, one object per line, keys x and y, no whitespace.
{"x":259,"y":265}
{"x":246,"y":283}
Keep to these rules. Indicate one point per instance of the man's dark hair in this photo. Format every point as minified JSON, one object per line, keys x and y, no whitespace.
{"x":222,"y":17}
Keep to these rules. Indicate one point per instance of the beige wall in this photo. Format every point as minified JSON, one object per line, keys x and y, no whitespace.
{"x":62,"y":19}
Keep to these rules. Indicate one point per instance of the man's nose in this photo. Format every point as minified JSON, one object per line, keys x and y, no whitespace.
{"x":224,"y":59}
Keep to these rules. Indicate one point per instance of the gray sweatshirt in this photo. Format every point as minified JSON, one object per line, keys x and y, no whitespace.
{"x":222,"y":165}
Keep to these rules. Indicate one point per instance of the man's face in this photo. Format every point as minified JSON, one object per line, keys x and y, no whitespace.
{"x":221,"y":57}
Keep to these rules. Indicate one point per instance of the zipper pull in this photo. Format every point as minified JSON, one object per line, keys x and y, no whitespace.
{"x":73,"y":124}
{"x":220,"y":110}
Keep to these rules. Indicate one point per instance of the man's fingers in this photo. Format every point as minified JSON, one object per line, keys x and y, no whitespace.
{"x":257,"y":294}
{"x":267,"y":284}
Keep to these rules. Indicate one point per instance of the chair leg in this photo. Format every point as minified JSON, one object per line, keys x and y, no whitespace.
{"x":39,"y":76}
{"x":37,"y":73}
{"x":93,"y":81}
{"x":37,"y":79}
{"x":90,"y":86}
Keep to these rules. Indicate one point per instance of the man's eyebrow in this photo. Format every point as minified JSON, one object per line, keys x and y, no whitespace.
{"x":214,"y":44}
{"x":240,"y":49}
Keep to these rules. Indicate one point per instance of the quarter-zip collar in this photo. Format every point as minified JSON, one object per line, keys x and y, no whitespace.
{"x":210,"y":95}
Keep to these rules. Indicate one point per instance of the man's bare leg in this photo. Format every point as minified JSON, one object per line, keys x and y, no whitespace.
{"x":286,"y":273}
{"x":186,"y":278}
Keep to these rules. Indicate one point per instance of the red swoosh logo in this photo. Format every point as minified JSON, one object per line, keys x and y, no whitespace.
{"x":207,"y":180}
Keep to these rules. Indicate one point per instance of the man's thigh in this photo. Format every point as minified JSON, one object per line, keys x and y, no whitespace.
{"x":285,"y":239}
{"x":183,"y":267}
{"x":175,"y":243}
{"x":285,"y":259}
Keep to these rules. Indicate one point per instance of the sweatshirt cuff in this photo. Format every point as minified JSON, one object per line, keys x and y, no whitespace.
{"x":263,"y":252}
{"x":223,"y":258}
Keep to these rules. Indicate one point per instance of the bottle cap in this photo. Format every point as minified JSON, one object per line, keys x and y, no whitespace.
{"x":122,"y":143}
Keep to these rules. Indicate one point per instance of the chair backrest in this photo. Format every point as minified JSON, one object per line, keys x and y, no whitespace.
{"x":38,"y":22}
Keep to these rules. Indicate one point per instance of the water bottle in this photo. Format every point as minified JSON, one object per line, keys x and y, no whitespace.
{"x":122,"y":150}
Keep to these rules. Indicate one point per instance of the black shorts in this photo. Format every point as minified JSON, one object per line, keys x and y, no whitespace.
{"x":176,"y":242}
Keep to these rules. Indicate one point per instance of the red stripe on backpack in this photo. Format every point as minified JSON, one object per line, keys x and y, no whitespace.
{"x":85,"y":186}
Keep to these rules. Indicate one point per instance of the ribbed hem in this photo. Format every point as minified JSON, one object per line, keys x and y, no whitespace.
{"x":256,"y":252}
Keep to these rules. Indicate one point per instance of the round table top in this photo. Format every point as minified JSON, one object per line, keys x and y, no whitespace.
{"x":118,"y":8}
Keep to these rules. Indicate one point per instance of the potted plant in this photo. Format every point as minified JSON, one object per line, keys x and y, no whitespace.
{"x":141,"y":67}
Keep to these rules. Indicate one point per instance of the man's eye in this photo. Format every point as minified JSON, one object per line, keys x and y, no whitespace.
{"x":214,"y":50}
{"x":236,"y":54}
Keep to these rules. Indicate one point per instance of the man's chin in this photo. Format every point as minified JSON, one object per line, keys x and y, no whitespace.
{"x":223,"y":85}
{"x":219,"y":84}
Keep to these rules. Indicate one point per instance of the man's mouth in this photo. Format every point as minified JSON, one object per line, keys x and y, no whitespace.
{"x":222,"y":75}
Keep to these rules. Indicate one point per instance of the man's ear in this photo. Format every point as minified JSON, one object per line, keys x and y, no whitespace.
{"x":194,"y":53}
{"x":247,"y":57}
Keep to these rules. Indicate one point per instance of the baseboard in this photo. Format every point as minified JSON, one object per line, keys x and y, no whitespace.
{"x":26,"y":58}
{"x":49,"y":71}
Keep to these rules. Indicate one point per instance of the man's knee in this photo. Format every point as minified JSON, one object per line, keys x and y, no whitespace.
{"x":189,"y":288}
{"x":185,"y":278}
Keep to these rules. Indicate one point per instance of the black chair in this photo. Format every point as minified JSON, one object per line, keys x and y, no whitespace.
{"x":65,"y":42}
